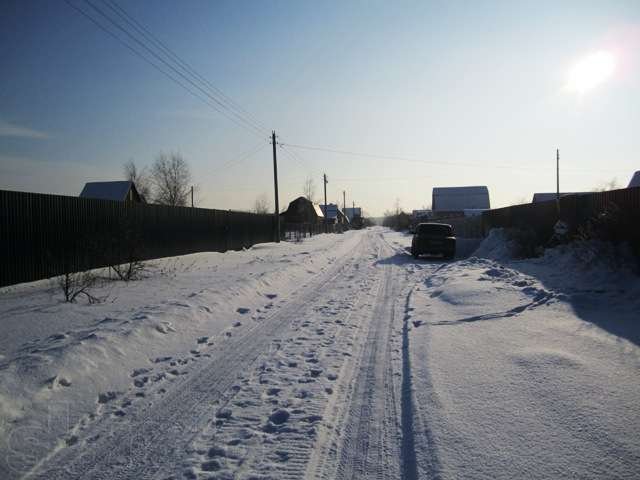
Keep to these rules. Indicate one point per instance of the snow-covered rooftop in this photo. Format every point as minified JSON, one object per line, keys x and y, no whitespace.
{"x":448,"y":199}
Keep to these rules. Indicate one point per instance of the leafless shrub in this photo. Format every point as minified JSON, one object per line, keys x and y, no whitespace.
{"x":74,"y":285}
{"x":133,"y":270}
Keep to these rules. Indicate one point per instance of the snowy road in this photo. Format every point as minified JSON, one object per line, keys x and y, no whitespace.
{"x":364,"y":364}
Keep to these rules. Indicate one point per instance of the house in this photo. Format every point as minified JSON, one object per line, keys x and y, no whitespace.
{"x":352,"y":213}
{"x":548,"y":197}
{"x":119,"y":191}
{"x":453,"y":201}
{"x":301,"y":210}
{"x":635,"y":180}
{"x":334,"y":214}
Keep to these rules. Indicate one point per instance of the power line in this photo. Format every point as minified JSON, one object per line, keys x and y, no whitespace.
{"x":229,"y":103}
{"x":145,"y":58}
{"x":242,"y":157}
{"x":427,"y":162}
{"x":297,"y":158}
{"x":170,"y":66}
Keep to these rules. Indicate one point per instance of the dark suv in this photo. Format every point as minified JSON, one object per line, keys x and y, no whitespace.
{"x":433,"y":238}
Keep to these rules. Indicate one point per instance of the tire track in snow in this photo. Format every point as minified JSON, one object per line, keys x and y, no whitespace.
{"x":151,"y":438}
{"x":370,"y":442}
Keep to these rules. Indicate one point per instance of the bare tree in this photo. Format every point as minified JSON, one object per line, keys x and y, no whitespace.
{"x":607,"y":185}
{"x":261,"y":204}
{"x":139,"y":176}
{"x":171,"y":178}
{"x":309,"y":189}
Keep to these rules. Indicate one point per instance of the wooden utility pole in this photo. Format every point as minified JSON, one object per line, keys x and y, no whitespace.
{"x":558,"y":181}
{"x":344,"y":203}
{"x":275,"y":184}
{"x":191,"y":196}
{"x":326,"y":223}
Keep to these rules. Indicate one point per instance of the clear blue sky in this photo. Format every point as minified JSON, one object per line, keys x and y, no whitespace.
{"x":479,"y":85}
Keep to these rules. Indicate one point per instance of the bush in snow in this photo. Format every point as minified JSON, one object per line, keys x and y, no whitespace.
{"x":611,"y":236}
{"x":76,"y":284}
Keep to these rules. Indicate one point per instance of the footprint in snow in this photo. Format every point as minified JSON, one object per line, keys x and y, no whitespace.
{"x":107,"y":397}
{"x":243,"y":310}
{"x":271,"y":296}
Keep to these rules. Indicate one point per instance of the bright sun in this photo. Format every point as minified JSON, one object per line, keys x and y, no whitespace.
{"x":590,"y":71}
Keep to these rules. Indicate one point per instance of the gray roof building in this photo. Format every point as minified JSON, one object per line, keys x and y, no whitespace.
{"x":459,"y":199}
{"x":119,"y":191}
{"x":547,"y":197}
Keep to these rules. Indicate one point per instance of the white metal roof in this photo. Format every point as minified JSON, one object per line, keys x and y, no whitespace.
{"x":450,"y":199}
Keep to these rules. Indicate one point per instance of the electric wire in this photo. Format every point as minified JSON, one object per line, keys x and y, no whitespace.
{"x":242,"y":157}
{"x":146,"y":59}
{"x":427,"y":162}
{"x":169,"y":65}
{"x":228,"y":102}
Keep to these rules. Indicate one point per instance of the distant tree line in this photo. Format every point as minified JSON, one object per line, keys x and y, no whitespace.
{"x":396,"y":219}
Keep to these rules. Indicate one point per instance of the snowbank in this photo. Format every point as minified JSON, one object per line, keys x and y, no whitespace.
{"x":60,"y":363}
{"x":495,"y":246}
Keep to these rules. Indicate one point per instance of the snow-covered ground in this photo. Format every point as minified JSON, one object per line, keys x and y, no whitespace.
{"x":339,"y":357}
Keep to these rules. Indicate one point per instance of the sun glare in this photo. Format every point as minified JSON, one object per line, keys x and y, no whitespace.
{"x":591,"y":71}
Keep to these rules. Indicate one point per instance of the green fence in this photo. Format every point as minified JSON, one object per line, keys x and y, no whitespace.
{"x":42,"y":236}
{"x":575,"y":210}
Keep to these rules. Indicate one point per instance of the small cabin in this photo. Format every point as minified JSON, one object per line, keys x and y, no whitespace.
{"x":119,"y":191}
{"x":301,"y":210}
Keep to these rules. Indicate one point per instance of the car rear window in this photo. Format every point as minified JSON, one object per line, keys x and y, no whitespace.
{"x":434,"y":229}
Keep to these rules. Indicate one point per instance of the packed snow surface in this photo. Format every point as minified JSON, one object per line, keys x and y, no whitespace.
{"x":338,"y":357}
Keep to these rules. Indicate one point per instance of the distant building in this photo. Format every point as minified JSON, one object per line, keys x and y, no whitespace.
{"x":635,"y":180}
{"x":301,"y":210}
{"x":453,"y":201}
{"x":119,"y":191}
{"x":352,"y":213}
{"x":333,"y":214}
{"x":548,"y":197}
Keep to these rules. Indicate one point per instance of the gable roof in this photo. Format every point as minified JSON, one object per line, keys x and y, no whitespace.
{"x":118,"y":190}
{"x":547,"y":197}
{"x":450,"y":199}
{"x":299,"y":204}
{"x":332,"y":211}
{"x":635,"y":180}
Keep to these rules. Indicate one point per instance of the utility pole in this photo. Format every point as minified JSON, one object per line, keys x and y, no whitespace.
{"x":344,"y":203}
{"x":324,"y":179}
{"x":191,"y":196}
{"x":275,"y":184}
{"x":558,"y":181}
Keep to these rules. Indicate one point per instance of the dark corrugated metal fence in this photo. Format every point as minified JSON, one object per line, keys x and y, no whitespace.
{"x":575,"y":210}
{"x":42,"y":236}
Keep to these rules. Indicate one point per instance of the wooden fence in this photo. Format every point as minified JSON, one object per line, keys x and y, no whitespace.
{"x":575,"y":210}
{"x":42,"y":236}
